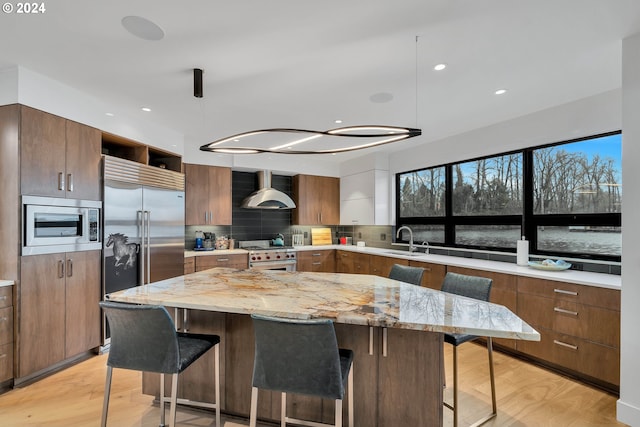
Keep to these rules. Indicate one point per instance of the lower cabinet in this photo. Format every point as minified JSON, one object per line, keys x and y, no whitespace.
{"x":189,"y":265}
{"x":579,"y":327}
{"x":433,"y":273}
{"x":6,"y":333}
{"x":205,"y":262}
{"x":381,"y":265}
{"x":322,"y":261}
{"x":58,"y":306}
{"x":352,"y":262}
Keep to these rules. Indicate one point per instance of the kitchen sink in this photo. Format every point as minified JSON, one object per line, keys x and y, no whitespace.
{"x":404,"y":253}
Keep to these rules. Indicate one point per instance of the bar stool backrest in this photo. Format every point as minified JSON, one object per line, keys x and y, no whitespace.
{"x":143,"y":338}
{"x":467,"y":286}
{"x":297,"y":356}
{"x":408,"y":274}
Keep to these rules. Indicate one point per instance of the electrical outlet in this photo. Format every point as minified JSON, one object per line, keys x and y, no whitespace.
{"x":383,"y":236}
{"x":359,"y":235}
{"x":306,"y":234}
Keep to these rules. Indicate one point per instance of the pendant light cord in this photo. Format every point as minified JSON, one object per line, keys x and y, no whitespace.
{"x":417,"y":82}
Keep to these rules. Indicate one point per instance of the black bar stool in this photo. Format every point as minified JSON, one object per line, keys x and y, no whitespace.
{"x":478,"y":288}
{"x":301,"y":356}
{"x":405,"y":273}
{"x":144,"y":338}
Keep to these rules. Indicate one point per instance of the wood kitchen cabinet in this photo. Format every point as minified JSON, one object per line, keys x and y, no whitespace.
{"x":6,"y":333}
{"x":317,"y":200}
{"x":579,"y":327}
{"x":323,"y":261}
{"x":381,"y":265}
{"x":58,"y":306}
{"x":207,"y":195}
{"x":58,"y":157}
{"x":352,"y":262}
{"x":433,"y":274}
{"x":205,"y":262}
{"x":189,"y":265}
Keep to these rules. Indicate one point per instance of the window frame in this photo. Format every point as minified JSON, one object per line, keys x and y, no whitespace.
{"x":528,"y":221}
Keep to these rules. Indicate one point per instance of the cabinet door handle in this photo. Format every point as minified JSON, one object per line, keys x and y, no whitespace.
{"x":206,"y":217}
{"x":427,"y":268}
{"x":562,"y":291}
{"x":69,"y":267}
{"x":2,"y":356}
{"x":563,"y":311}
{"x":223,"y":259}
{"x":60,"y":269}
{"x":3,"y":298}
{"x":70,"y":182}
{"x":3,"y":319}
{"x":60,"y":181}
{"x":564,"y":344}
{"x":370,"y":340}
{"x":384,"y":342}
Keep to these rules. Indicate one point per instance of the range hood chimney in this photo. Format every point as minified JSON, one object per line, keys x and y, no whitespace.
{"x":267,"y":197}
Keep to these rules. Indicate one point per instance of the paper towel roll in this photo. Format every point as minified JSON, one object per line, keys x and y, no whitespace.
{"x":522,"y":251}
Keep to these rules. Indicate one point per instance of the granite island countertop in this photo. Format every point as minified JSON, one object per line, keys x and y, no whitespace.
{"x":345,"y":298}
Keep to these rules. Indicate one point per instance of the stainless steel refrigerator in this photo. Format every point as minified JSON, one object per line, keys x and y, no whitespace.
{"x":143,"y":213}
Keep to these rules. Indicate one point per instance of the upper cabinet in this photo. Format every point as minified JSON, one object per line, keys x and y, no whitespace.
{"x":364,"y":198}
{"x":317,"y":199}
{"x":58,"y":157}
{"x":207,"y":195}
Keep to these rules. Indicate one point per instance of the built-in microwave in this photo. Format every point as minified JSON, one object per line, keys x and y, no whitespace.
{"x":53,"y":225}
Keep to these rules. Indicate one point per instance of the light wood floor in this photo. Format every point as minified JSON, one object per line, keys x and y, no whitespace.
{"x":527,"y":396}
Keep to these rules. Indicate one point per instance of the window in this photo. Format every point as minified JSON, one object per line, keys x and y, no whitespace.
{"x":564,"y":197}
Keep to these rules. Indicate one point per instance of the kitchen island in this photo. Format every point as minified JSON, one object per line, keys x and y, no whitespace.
{"x":394,"y":328}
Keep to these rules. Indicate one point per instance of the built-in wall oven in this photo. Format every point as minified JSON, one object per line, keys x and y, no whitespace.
{"x":52,"y":225}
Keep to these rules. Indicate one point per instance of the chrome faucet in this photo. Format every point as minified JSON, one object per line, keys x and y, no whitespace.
{"x":404,"y":227}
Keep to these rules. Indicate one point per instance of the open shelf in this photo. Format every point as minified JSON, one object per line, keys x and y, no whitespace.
{"x":117,"y":146}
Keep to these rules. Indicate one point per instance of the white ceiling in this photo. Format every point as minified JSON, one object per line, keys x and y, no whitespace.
{"x":304,"y":64}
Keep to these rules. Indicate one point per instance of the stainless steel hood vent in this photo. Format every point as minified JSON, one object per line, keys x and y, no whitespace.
{"x":267,"y":197}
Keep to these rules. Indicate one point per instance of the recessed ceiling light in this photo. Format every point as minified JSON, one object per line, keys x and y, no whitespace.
{"x":440,"y":67}
{"x":338,"y":121}
{"x":147,"y":109}
{"x":501,"y":91}
{"x":143,"y":28}
{"x":109,"y":114}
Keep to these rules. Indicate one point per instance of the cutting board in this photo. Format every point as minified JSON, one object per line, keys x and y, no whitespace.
{"x":321,"y":236}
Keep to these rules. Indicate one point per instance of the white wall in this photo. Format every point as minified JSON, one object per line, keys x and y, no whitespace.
{"x":629,"y":402}
{"x":26,"y":87}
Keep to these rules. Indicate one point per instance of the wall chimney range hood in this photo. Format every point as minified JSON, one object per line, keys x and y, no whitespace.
{"x":267,"y":197}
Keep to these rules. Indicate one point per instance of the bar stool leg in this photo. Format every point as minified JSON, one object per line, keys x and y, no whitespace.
{"x":455,"y":386}
{"x":254,"y":407}
{"x":283,"y":409}
{"x":217,"y":383}
{"x":350,"y":396}
{"x":162,"y":400}
{"x":174,"y":398}
{"x":107,"y":393}
{"x":338,"y":421}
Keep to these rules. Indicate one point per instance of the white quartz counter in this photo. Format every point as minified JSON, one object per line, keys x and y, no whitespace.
{"x":6,"y":283}
{"x":188,"y":254}
{"x":610,"y":281}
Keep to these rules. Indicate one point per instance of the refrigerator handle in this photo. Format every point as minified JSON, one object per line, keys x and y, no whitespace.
{"x":141,"y":268}
{"x":148,"y":234}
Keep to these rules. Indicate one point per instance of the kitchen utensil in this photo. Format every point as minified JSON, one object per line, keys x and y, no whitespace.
{"x":321,"y":236}
{"x":278,"y":241}
{"x":298,"y":239}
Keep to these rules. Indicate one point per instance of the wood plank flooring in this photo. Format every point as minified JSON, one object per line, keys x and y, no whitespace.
{"x":527,"y":396}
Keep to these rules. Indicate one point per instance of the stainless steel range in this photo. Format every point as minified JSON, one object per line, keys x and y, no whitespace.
{"x":265,"y":257}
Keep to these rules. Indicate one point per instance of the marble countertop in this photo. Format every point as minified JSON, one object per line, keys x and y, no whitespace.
{"x":6,"y":283}
{"x":610,"y":281}
{"x":345,"y":298}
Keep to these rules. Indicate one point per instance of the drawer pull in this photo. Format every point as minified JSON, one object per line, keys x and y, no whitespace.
{"x":564,"y":344}
{"x":562,"y":291}
{"x":370,"y":340}
{"x":316,"y":254}
{"x":317,"y":263}
{"x":4,"y":319}
{"x":384,"y":342}
{"x":563,"y":311}
{"x":2,"y":356}
{"x":223,"y":259}
{"x":3,"y":298}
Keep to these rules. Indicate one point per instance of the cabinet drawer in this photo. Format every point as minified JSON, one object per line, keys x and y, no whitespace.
{"x":6,"y":362}
{"x":6,"y":296}
{"x":6,"y":325}
{"x":590,"y":295}
{"x":229,"y":261}
{"x":588,"y":358}
{"x":592,"y":323}
{"x":189,"y":265}
{"x":322,"y":261}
